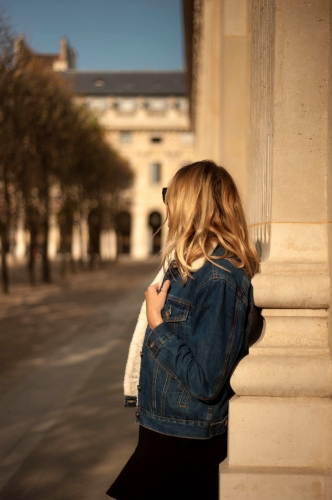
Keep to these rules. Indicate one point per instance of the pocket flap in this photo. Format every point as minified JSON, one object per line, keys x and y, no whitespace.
{"x":175,"y":309}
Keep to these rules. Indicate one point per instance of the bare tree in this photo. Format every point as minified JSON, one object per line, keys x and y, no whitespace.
{"x":8,"y":154}
{"x":47,"y":141}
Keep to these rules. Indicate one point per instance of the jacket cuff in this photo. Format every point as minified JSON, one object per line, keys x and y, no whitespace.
{"x":158,"y":337}
{"x":130,"y":401}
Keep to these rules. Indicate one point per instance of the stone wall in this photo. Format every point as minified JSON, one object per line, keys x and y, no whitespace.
{"x":280,"y":421}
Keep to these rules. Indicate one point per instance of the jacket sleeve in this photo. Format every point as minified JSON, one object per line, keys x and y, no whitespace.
{"x":217,"y":333}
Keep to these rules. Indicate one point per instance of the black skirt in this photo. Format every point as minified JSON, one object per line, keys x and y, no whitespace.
{"x":171,"y":468}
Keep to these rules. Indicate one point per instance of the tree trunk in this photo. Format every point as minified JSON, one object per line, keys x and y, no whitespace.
{"x":46,"y":260}
{"x":63,"y":266}
{"x":4,"y":266}
{"x":5,"y":226}
{"x":32,"y":259}
{"x":72,"y":265}
{"x":46,"y":227}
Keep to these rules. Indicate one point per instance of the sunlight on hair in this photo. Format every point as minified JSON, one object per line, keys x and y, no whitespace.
{"x":205,"y":211}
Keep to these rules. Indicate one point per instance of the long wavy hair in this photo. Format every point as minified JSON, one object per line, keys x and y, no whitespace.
{"x":204,"y":210}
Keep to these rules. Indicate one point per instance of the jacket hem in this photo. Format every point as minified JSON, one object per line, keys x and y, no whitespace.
{"x":182,"y":428}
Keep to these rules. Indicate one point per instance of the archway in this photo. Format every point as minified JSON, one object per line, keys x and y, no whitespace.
{"x":155,"y":223}
{"x":123,"y":232}
{"x":94,"y":235}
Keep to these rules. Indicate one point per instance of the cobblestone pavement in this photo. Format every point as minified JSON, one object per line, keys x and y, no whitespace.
{"x":64,"y":433}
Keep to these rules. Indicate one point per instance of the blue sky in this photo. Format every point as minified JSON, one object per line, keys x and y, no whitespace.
{"x":107,"y":34}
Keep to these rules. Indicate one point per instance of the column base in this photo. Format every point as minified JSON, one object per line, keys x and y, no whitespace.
{"x":274,"y":483}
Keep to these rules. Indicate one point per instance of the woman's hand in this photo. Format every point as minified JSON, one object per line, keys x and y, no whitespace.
{"x":155,"y":301}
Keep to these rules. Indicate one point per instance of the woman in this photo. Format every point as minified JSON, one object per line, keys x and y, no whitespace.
{"x":190,"y":335}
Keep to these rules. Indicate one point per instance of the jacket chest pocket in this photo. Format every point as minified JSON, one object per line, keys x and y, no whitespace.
{"x":175,"y":310}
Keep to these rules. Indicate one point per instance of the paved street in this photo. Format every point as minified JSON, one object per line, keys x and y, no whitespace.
{"x":64,"y":433}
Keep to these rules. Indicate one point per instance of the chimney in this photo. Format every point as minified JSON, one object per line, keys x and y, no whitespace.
{"x":67,"y":57}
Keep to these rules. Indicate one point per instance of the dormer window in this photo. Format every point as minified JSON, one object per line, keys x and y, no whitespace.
{"x":99,"y":82}
{"x":155,"y":104}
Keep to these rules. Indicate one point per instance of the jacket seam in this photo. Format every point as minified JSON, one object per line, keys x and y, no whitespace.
{"x":181,"y":301}
{"x":230,"y":344}
{"x":199,"y":422}
{"x":240,"y":292}
{"x":217,"y":278}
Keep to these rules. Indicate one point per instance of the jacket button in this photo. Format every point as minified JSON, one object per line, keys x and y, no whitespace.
{"x":151,"y":345}
{"x":137,"y":414}
{"x":138,"y":387}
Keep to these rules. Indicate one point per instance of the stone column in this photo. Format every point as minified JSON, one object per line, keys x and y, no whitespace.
{"x":76,"y":239}
{"x":140,"y":234}
{"x":108,"y":244}
{"x":221,"y":83}
{"x":20,"y":240}
{"x":280,"y":421}
{"x":84,"y":237}
{"x":53,"y":237}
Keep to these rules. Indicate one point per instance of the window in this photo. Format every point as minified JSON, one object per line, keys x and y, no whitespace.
{"x":97,"y":103}
{"x":156,"y":139}
{"x":155,"y":104}
{"x":126,"y":105}
{"x":125,"y":137}
{"x":187,"y":137}
{"x":155,"y":173}
{"x":182,"y":104}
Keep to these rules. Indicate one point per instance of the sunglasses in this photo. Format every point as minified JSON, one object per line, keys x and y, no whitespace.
{"x":164,"y":191}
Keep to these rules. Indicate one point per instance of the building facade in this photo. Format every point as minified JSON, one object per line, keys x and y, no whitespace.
{"x":145,"y":117}
{"x":260,"y":90}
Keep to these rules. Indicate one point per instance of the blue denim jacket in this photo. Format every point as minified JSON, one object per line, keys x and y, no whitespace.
{"x":187,"y":361}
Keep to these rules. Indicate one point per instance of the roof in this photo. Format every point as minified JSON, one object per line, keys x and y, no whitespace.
{"x":47,"y":60}
{"x":127,"y":83}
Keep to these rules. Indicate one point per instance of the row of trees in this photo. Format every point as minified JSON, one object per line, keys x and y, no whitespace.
{"x":53,"y":155}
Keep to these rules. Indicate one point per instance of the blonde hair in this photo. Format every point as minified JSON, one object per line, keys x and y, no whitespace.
{"x":204,"y":210}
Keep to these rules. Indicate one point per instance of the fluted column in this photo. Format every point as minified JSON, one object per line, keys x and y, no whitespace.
{"x":280,"y":422}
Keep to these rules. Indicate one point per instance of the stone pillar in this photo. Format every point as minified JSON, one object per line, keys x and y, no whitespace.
{"x":221,"y":83}
{"x":280,"y":421}
{"x":20,"y":241}
{"x":140,"y":234}
{"x":84,"y":237}
{"x":53,"y":237}
{"x":108,"y":244}
{"x":76,"y":241}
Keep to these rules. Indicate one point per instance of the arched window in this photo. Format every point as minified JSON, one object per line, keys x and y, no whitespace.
{"x":123,"y":231}
{"x":155,"y":223}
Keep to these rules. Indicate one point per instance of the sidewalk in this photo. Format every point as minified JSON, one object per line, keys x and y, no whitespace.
{"x":64,"y":433}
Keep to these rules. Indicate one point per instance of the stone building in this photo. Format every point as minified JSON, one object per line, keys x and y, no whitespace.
{"x":145,"y":117}
{"x":260,"y":98}
{"x":62,"y":61}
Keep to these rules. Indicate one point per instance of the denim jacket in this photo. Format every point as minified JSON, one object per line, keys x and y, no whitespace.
{"x":187,"y":361}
